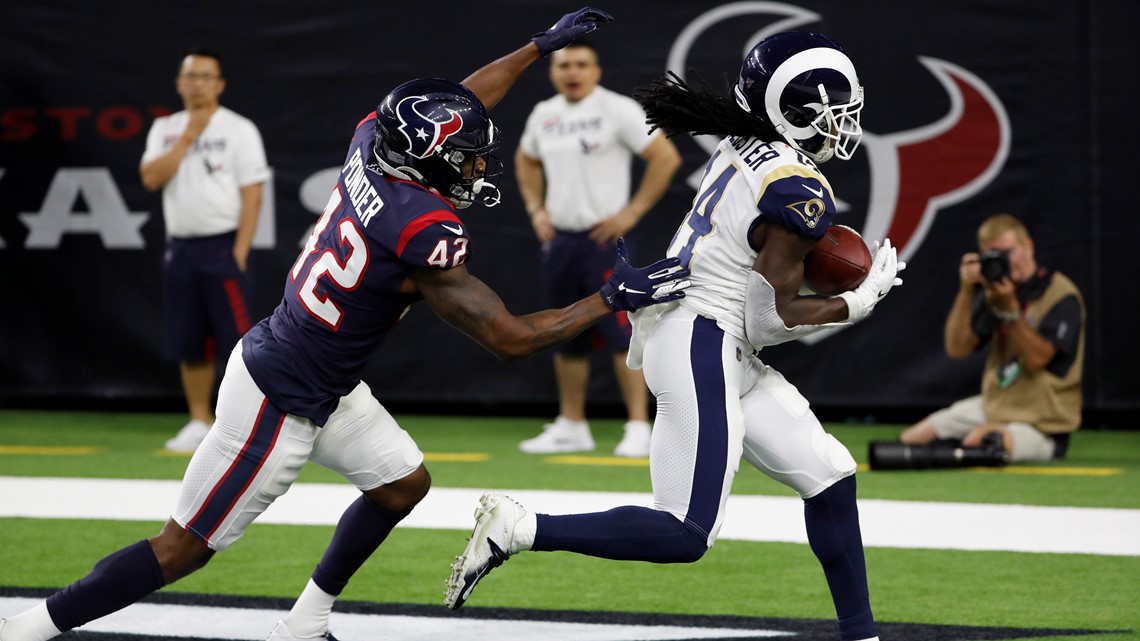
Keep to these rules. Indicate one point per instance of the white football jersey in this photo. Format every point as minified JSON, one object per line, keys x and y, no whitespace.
{"x":746,"y":181}
{"x":586,"y":149}
{"x":203,"y":198}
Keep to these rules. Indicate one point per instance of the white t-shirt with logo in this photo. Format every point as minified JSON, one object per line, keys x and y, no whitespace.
{"x":203,"y":198}
{"x":585,"y":148}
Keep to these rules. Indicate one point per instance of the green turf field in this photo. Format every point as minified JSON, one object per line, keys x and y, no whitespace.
{"x":744,"y":578}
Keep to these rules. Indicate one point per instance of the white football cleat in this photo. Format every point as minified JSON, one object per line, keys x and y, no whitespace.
{"x":490,"y":545}
{"x":560,"y":437}
{"x":635,"y":443}
{"x":189,"y":437}
{"x":280,"y":632}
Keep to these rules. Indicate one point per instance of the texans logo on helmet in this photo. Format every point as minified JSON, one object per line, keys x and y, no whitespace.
{"x":425,"y":135}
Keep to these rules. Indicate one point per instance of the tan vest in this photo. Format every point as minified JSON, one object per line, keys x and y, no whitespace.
{"x":1050,"y":403}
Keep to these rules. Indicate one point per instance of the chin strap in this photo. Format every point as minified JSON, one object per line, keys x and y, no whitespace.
{"x":492,"y":198}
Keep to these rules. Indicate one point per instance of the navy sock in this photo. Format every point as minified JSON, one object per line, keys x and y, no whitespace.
{"x":361,"y":529}
{"x":624,"y":533}
{"x":115,"y":582}
{"x":832,"y":519}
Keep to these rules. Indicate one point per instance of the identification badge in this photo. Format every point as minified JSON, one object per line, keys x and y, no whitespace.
{"x":1009,"y":373}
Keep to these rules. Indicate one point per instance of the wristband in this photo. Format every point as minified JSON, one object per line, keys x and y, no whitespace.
{"x":1007,"y":317}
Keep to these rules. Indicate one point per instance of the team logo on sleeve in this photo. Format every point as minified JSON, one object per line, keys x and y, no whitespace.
{"x":809,"y":210}
{"x":425,"y":135}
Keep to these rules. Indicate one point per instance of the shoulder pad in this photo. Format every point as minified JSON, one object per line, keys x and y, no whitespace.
{"x":797,"y":198}
{"x":435,"y":239}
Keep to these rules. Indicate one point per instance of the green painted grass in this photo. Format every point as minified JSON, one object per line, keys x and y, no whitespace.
{"x":735,"y":577}
{"x":741,"y":578}
{"x":130,"y":447}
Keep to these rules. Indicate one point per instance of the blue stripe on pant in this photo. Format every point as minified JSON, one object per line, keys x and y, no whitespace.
{"x":635,"y":533}
{"x":712,"y":438}
{"x":241,"y":473}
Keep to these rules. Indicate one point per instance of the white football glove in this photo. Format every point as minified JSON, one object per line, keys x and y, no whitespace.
{"x":882,"y":276}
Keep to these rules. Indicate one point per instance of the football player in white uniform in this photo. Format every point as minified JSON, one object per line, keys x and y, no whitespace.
{"x":761,"y":206}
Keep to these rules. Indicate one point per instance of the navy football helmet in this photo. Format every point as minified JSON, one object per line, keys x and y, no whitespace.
{"x":434,"y":132}
{"x":806,"y":87}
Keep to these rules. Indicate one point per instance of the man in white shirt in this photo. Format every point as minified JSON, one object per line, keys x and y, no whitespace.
{"x":573,"y":166}
{"x":210,"y":164}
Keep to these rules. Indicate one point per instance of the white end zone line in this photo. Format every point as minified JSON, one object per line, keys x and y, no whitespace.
{"x":894,"y":524}
{"x":208,"y":622}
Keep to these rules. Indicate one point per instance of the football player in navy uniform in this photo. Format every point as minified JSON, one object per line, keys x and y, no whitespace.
{"x":388,"y":237}
{"x":760,"y":208}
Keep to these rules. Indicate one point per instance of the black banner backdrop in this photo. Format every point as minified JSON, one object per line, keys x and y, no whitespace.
{"x":972,"y":109}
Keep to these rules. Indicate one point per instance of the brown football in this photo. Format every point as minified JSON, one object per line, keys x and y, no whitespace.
{"x":838,"y":262}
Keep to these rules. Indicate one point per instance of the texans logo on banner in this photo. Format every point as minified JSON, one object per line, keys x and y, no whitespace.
{"x":425,"y":135}
{"x":913,"y":174}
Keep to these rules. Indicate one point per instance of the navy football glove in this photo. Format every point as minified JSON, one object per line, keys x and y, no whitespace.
{"x":569,"y":27}
{"x":631,"y":288}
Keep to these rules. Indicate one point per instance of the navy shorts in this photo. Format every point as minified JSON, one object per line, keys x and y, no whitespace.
{"x":573,"y":267}
{"x":206,"y":298}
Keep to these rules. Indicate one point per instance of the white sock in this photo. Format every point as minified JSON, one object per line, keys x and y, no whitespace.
{"x":523,"y":538}
{"x":33,"y":625}
{"x":309,"y":617}
{"x":562,"y":421}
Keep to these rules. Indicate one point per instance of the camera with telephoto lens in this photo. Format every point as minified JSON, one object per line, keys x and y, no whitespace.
{"x":893,"y":455}
{"x":995,"y":265}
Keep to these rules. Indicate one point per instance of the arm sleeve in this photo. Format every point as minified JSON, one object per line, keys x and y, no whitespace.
{"x":154,"y":142}
{"x":431,"y":240}
{"x":799,"y":201}
{"x":632,"y":129}
{"x":1062,"y":327}
{"x":252,"y":167}
{"x":529,"y":140}
{"x":983,"y":321}
{"x":762,"y":323}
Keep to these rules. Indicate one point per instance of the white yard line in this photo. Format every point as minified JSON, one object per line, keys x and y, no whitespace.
{"x":205,"y":622}
{"x":896,"y":524}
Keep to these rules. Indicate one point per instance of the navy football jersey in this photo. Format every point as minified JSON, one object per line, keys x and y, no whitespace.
{"x":350,"y":284}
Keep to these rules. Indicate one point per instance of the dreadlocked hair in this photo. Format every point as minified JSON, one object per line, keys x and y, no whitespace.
{"x":675,"y":108}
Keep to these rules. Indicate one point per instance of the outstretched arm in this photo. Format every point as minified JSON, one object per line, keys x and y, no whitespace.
{"x":470,"y":306}
{"x":491,"y":82}
{"x":467,"y":304}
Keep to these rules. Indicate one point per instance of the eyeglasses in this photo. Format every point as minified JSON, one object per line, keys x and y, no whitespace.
{"x":208,"y":77}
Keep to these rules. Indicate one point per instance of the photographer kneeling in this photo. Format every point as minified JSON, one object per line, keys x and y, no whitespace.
{"x":1033,"y":320}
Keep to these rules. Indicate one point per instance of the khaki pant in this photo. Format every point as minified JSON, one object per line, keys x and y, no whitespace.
{"x":956,"y":421}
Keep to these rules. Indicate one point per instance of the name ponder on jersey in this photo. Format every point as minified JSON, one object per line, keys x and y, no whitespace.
{"x":361,"y":194}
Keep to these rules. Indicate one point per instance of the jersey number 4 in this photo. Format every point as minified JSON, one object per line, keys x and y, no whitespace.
{"x":344,"y":275}
{"x":700,"y":220}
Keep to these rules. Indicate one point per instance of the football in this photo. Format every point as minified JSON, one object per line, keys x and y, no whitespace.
{"x":838,"y":262}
